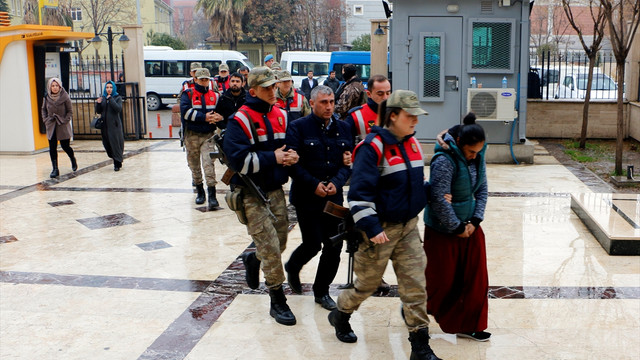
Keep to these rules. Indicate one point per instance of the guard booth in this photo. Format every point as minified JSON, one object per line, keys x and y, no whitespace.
{"x":29,"y":56}
{"x":438,"y":48}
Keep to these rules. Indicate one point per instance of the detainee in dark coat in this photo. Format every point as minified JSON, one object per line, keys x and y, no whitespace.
{"x":56,"y":115}
{"x":321,"y":142}
{"x":109,"y":105}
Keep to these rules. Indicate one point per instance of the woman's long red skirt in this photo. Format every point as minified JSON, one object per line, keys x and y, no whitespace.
{"x":457,"y":281}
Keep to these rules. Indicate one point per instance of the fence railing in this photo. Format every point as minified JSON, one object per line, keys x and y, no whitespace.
{"x":86,"y":80}
{"x":564,"y":75}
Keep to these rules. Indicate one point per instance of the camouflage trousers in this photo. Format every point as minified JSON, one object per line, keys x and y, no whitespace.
{"x":198,"y":147}
{"x":409,"y":261}
{"x":269,"y":235}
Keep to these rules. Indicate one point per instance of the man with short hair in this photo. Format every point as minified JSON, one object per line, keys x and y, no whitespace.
{"x":232,"y":99}
{"x":332,"y":82}
{"x":222,"y":79}
{"x":269,"y":60}
{"x":289,"y":99}
{"x":199,"y":122}
{"x":255,"y":146}
{"x":362,"y":118}
{"x":308,"y":84}
{"x":351,"y":93}
{"x":244,"y":71}
{"x":320,"y":140}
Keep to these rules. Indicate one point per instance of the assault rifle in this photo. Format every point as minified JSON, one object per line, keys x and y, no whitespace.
{"x":346,"y":232}
{"x":254,"y":189}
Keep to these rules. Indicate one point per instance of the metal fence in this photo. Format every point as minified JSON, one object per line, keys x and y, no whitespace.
{"x":87,"y":76}
{"x":564,"y":75}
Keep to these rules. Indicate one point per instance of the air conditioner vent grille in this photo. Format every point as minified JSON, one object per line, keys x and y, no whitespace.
{"x":483,"y":104}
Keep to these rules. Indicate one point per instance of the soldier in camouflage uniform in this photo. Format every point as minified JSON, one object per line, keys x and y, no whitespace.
{"x":255,"y":146}
{"x":199,"y":120}
{"x":293,"y":102}
{"x":351,"y":93}
{"x":387,"y":192}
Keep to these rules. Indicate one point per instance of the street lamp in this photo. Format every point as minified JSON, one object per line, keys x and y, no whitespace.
{"x":97,"y":43}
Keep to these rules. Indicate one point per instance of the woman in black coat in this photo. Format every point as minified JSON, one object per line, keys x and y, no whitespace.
{"x":110,"y":106}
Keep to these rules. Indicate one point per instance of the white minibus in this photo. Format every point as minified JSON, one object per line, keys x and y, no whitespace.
{"x":166,"y":69}
{"x":298,"y":63}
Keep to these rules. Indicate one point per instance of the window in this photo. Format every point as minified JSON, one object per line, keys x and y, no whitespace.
{"x":299,"y":68}
{"x":153,"y":68}
{"x":491,"y":46}
{"x":568,"y":81}
{"x":174,"y":69}
{"x":234,"y":65}
{"x":358,"y":10}
{"x":212,"y":66}
{"x":432,"y":69}
{"x":16,"y":8}
{"x":76,"y":14}
{"x":363,"y":71}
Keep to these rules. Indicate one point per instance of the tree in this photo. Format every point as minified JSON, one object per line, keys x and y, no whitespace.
{"x":599,"y":21}
{"x":3,"y":6}
{"x":362,"y":43}
{"x":267,"y":21}
{"x":623,"y":17}
{"x":225,"y":19}
{"x":58,"y":16}
{"x":104,"y":13}
{"x":162,"y":39}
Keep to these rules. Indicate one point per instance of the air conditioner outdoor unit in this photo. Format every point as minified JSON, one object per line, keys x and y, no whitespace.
{"x":492,"y":103}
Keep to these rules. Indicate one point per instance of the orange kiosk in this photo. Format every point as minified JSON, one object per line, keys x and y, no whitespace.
{"x":29,"y":55}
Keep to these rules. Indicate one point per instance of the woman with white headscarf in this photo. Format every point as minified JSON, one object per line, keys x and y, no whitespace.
{"x":56,"y":114}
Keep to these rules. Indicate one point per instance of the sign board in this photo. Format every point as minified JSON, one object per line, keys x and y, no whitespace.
{"x":52,"y":65}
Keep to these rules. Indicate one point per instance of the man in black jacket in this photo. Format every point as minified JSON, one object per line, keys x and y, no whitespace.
{"x":332,"y":82}
{"x":308,"y":84}
{"x":231,"y":99}
{"x":318,"y":177}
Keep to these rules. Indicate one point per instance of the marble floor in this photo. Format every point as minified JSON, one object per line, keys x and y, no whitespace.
{"x":100,"y":264}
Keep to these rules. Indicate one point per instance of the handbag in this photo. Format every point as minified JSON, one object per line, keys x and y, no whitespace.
{"x":97,"y":122}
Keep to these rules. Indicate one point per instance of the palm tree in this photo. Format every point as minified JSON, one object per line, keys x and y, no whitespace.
{"x":225,"y":17}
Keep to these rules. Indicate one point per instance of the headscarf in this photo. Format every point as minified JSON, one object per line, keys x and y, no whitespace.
{"x":53,"y":96}
{"x":113,"y":93}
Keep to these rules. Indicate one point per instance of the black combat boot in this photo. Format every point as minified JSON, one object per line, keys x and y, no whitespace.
{"x":420,"y":349}
{"x":55,"y":172}
{"x":252,"y":269}
{"x":200,"y":197}
{"x":294,"y":279}
{"x":213,"y":202}
{"x":340,"y":321}
{"x":279,"y":308}
{"x":74,"y":163}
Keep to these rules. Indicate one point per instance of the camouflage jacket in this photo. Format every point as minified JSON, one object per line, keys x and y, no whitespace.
{"x":351,"y":94}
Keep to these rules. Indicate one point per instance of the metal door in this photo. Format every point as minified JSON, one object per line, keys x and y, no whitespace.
{"x":435,"y":70}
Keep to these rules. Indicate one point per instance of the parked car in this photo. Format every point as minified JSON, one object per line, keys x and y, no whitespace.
{"x":574,"y":86}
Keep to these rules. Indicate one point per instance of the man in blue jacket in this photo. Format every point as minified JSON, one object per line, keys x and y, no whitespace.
{"x":320,"y":140}
{"x":255,"y":146}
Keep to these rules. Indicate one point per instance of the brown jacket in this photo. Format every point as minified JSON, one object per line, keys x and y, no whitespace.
{"x":57,"y":116}
{"x":350,"y":95}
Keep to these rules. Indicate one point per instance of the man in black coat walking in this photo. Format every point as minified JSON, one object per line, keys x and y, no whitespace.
{"x":318,"y":177}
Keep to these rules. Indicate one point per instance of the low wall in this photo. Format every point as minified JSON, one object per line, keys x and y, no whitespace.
{"x":563,"y":119}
